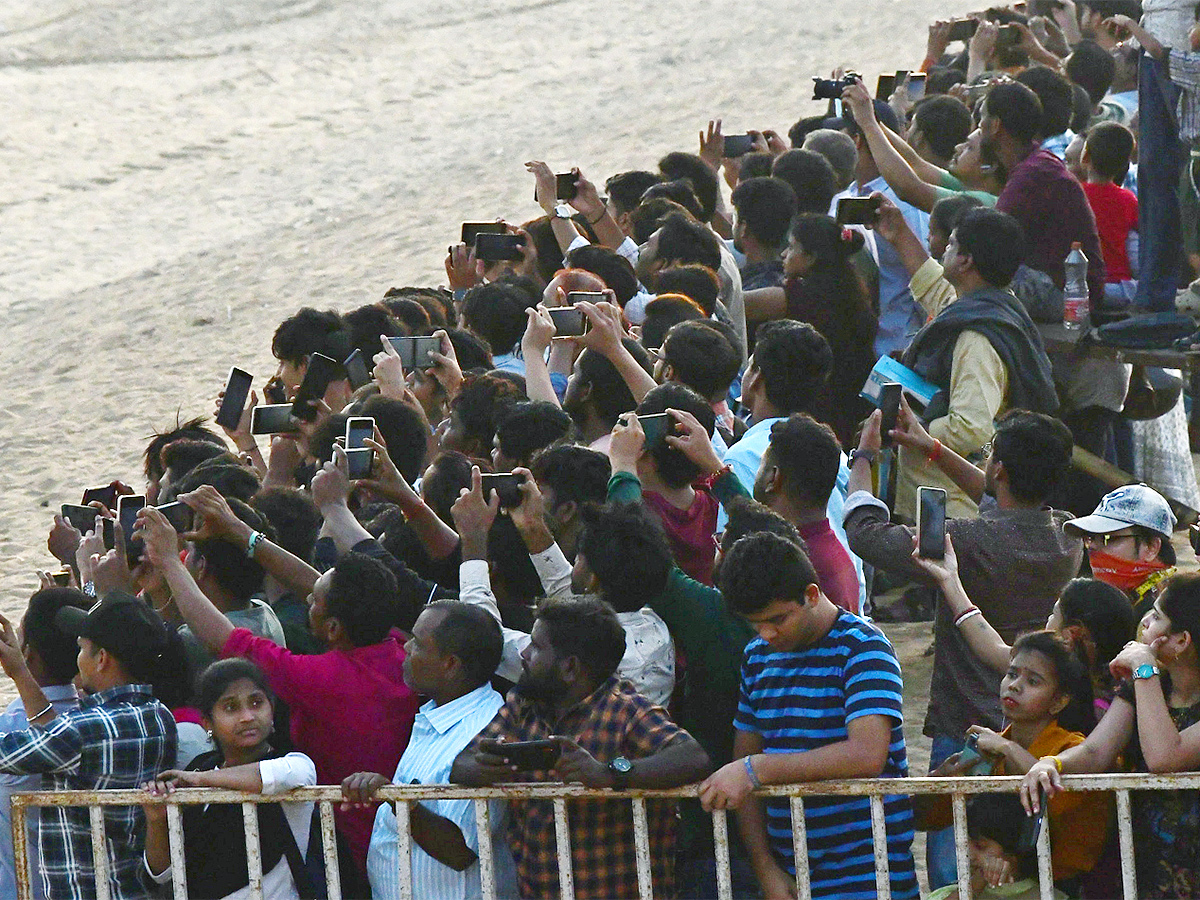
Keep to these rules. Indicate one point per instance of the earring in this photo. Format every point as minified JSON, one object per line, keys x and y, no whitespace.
{"x":209,"y":733}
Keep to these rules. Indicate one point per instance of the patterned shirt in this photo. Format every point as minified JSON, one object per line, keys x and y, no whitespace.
{"x":615,"y":720}
{"x":117,"y":739}
{"x":1185,"y":72}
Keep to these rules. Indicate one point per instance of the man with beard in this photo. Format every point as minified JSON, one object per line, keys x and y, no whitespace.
{"x":1015,"y":553}
{"x":607,"y":736}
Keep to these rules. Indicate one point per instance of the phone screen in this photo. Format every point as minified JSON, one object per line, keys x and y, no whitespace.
{"x":531,"y":755}
{"x":275,"y":418}
{"x":568,"y":321}
{"x":496,"y":247}
{"x":565,"y":187}
{"x":320,"y":372}
{"x":359,"y":462}
{"x":128,"y":508}
{"x":82,"y":517}
{"x":506,"y":485}
{"x":590,"y":296}
{"x":931,"y":523}
{"x":414,"y":351}
{"x":179,"y":514}
{"x":656,"y":428}
{"x":889,"y":402}
{"x":885,"y":87}
{"x":105,"y":493}
{"x":916,"y":86}
{"x":857,"y":210}
{"x":1008,"y":36}
{"x":963,"y":29}
{"x":237,"y":389}
{"x":738,"y":145}
{"x":356,"y":370}
{"x":470,"y":230}
{"x":358,"y":429}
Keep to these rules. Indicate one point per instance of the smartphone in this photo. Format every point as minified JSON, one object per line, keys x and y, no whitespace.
{"x":237,"y":389}
{"x":62,"y":578}
{"x":110,"y":534}
{"x":590,"y":296}
{"x":274,"y":418}
{"x":105,"y":493}
{"x":359,"y":457}
{"x":931,"y":523}
{"x":274,"y":392}
{"x":531,"y":755}
{"x":738,"y":145}
{"x":470,"y":230}
{"x":496,"y":247}
{"x":885,"y":87}
{"x":1007,"y":36}
{"x":858,"y":210}
{"x":568,"y":321}
{"x":1045,"y":8}
{"x":1032,"y":826}
{"x":320,"y":373}
{"x":656,"y":427}
{"x":414,"y":351}
{"x":82,"y":517}
{"x":901,"y":74}
{"x":889,"y":402}
{"x":356,"y":369}
{"x":916,"y":87}
{"x":963,"y":29}
{"x":565,"y":187}
{"x":975,"y":762}
{"x":178,"y":514}
{"x":506,"y":485}
{"x":128,"y":508}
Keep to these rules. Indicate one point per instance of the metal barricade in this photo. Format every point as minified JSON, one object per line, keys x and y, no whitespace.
{"x":958,"y":789}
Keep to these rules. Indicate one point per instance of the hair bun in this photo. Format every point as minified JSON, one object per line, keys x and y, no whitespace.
{"x":851,"y":241}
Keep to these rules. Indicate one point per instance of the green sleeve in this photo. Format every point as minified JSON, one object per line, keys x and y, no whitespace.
{"x":624,"y":487}
{"x":725,"y":487}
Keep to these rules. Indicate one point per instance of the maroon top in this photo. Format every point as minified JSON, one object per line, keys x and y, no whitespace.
{"x":690,"y":532}
{"x":835,"y":571}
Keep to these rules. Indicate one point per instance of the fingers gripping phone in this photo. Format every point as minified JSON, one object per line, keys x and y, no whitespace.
{"x":320,"y":373}
{"x":128,"y":508}
{"x":858,"y":210}
{"x":931,"y":523}
{"x":506,"y":485}
{"x":533,"y":756}
{"x":889,"y":402}
{"x":237,"y":389}
{"x":359,"y":457}
{"x":568,"y":321}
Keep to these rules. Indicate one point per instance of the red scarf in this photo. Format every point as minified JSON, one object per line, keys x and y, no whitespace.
{"x":1124,"y":574}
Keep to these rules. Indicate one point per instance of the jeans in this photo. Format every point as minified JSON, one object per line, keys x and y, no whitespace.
{"x":1161,"y":156}
{"x":940,"y":861}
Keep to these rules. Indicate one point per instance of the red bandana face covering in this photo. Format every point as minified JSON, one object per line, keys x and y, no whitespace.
{"x":1124,"y":574}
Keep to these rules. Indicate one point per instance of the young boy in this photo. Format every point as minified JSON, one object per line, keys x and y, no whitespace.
{"x":1105,"y":163}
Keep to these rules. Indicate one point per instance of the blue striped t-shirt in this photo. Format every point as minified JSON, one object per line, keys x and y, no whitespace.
{"x":802,"y":700}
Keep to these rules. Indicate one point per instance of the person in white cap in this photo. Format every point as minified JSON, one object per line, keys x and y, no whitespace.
{"x":1128,"y":541}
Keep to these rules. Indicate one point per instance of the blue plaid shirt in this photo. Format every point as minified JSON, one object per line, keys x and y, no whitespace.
{"x":116,"y":739}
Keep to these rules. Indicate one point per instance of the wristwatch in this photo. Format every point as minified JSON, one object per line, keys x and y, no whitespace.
{"x":562,"y":211}
{"x":856,"y":453}
{"x":620,"y":768}
{"x":1145,"y":670}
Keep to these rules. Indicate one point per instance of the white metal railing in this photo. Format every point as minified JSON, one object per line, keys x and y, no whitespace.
{"x":875,"y":788}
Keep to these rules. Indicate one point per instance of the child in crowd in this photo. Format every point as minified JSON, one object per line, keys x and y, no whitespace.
{"x":1105,"y":163}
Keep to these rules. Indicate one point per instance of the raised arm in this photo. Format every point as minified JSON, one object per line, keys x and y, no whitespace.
{"x":539,"y":333}
{"x":892,"y":166}
{"x":605,"y":337}
{"x":564,"y":230}
{"x":909,"y":432}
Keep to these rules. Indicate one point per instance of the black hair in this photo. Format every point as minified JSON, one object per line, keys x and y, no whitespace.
{"x":625,"y":189}
{"x":674,"y":468}
{"x":549,"y":253}
{"x":180,"y":457}
{"x":830,"y":243}
{"x":1092,"y":68}
{"x":478,"y":403}
{"x":526,"y":427}
{"x":747,"y":516}
{"x":413,"y":316}
{"x":803,"y":128}
{"x":809,"y":456}
{"x":702,"y":357}
{"x":1036,"y":452}
{"x":293,"y":516}
{"x":991,"y":816}
{"x":610,"y":394}
{"x":794,"y":361}
{"x":763,"y":567}
{"x":1012,"y":107}
{"x":663,"y":313}
{"x":812,"y":177}
{"x":1109,"y":147}
{"x":227,"y":563}
{"x":366,"y":323}
{"x":496,"y":312}
{"x":586,"y":628}
{"x":438,"y":303}
{"x":193,"y":429}
{"x":1072,"y":672}
{"x":944,"y":121}
{"x":470,"y":349}
{"x":627,"y":551}
{"x":694,"y":281}
{"x":364,"y":598}
{"x":995,"y":242}
{"x":765,"y":207}
{"x":648,"y":216}
{"x":947,"y":212}
{"x":57,"y":649}
{"x":575,"y":474}
{"x":169,"y":674}
{"x":215,"y":680}
{"x":678,"y":191}
{"x":613,"y":269}
{"x":1099,"y":618}
{"x":756,"y":164}
{"x":324,"y":436}
{"x":1131,"y":8}
{"x":472,"y":635}
{"x":225,"y":473}
{"x":939,"y":79}
{"x":404,"y":431}
{"x":691,"y":167}
{"x":1081,"y":110}
{"x":530,"y":289}
{"x":311,"y":331}
{"x":513,"y":573}
{"x":684,"y":240}
{"x":448,"y":474}
{"x":1180,"y":602}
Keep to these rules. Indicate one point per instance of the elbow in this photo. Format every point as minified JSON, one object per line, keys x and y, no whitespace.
{"x":461,"y":860}
{"x":696,"y":766}
{"x":869,"y":762}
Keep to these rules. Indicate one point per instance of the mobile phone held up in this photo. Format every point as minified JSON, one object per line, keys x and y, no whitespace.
{"x":275,"y":418}
{"x":356,"y":369}
{"x":414,"y":352}
{"x":568,"y":321}
{"x":359,"y":457}
{"x":507,"y":486}
{"x":858,"y":210}
{"x":128,"y":508}
{"x":471,"y":230}
{"x":656,"y":427}
{"x":499,"y":247}
{"x":931,"y":523}
{"x":530,"y":756}
{"x":179,"y":514}
{"x":885,"y":87}
{"x":963,"y":29}
{"x":889,"y":402}
{"x":321,"y":372}
{"x":738,"y":145}
{"x":237,"y":389}
{"x":590,"y":296}
{"x":105,"y":494}
{"x":82,"y":518}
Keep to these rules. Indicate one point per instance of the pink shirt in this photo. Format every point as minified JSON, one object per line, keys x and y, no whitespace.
{"x":351,"y":712}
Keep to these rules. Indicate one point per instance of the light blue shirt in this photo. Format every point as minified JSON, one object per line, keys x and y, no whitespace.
{"x":745,"y":457}
{"x":64,"y":698}
{"x":439,"y":734}
{"x":509,"y":362}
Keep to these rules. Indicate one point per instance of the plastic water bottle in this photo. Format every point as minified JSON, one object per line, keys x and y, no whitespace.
{"x":1075,"y":296}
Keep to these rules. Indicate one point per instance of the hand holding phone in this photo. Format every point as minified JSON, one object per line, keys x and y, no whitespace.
{"x":237,"y":389}
{"x":128,"y":508}
{"x":321,"y":372}
{"x":889,"y":402}
{"x":858,"y":210}
{"x":931,"y":523}
{"x":738,"y":145}
{"x":528,"y":756}
{"x":359,"y":457}
{"x":507,"y":486}
{"x":499,"y":247}
{"x":569,"y":321}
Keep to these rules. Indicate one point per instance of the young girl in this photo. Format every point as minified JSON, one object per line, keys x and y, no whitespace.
{"x":238,"y":710}
{"x":1155,"y":721}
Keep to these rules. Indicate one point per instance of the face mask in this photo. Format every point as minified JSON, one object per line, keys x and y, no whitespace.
{"x":1124,"y":574}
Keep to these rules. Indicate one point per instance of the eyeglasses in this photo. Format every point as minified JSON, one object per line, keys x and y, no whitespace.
{"x":986,"y":449}
{"x":1105,"y":539}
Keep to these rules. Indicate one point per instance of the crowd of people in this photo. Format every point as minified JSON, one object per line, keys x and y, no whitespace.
{"x":623,"y":519}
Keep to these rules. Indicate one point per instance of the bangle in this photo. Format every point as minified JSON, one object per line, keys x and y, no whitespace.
{"x":49,"y":708}
{"x":750,"y":771}
{"x":1054,"y":759}
{"x":603,"y":213}
{"x":935,"y":452}
{"x":255,"y":537}
{"x":967,"y":614}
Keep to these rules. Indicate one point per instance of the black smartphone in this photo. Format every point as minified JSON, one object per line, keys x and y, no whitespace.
{"x":931,"y":523}
{"x":470,"y":230}
{"x":105,"y":493}
{"x":275,"y":418}
{"x":531,"y":756}
{"x":885,"y":87}
{"x":237,"y":389}
{"x":858,"y":210}
{"x":963,"y":29}
{"x":889,"y":402}
{"x":568,"y":321}
{"x":179,"y":514}
{"x":1007,"y":36}
{"x":128,"y":508}
{"x":656,"y":427}
{"x":274,"y":391}
{"x":916,"y":87}
{"x":320,"y":373}
{"x":82,"y":517}
{"x":1032,"y":826}
{"x":1045,"y":8}
{"x":61,"y":578}
{"x":496,"y":247}
{"x":356,"y":369}
{"x":590,"y":296}
{"x":359,"y":463}
{"x":565,"y":187}
{"x":359,"y":457}
{"x":738,"y":145}
{"x":506,"y":485}
{"x":110,"y":534}
{"x":414,"y":351}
